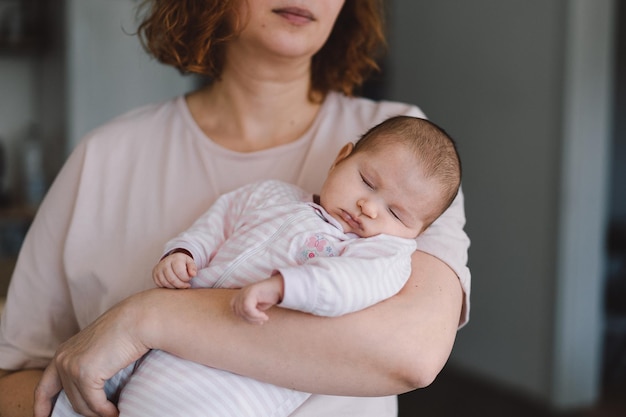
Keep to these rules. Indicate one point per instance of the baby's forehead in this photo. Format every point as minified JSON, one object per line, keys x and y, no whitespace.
{"x":404,"y":157}
{"x":396,"y":168}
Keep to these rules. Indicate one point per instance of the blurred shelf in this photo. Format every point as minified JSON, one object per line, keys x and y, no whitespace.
{"x":22,"y":27}
{"x":6,"y":270}
{"x":18,"y":212}
{"x":24,"y":47}
{"x":14,"y":222}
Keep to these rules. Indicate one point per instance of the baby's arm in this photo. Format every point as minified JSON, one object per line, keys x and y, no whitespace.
{"x":367,"y":271}
{"x":251,"y":302}
{"x":175,"y":270}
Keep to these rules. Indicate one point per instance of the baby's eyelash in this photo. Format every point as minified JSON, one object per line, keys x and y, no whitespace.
{"x":393,"y":213}
{"x":369,"y":184}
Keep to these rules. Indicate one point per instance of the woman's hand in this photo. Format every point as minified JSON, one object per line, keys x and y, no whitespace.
{"x":85,"y":362}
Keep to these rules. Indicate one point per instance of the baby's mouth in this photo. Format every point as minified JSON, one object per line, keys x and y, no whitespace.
{"x":354,"y":223}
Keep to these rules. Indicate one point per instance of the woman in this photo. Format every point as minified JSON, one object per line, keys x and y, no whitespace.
{"x":274,"y":110}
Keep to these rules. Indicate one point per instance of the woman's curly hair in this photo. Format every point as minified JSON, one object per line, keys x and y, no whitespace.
{"x":191,"y":36}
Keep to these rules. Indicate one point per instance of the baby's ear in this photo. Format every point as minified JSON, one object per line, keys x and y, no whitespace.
{"x":343,"y":153}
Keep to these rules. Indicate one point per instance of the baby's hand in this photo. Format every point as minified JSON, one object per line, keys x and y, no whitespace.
{"x":252,"y":300}
{"x":174,"y":271}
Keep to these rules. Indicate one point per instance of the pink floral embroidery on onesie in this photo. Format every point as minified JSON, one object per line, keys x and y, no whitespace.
{"x":316,"y":245}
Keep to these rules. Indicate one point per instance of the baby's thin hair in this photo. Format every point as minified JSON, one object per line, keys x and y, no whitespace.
{"x":435,"y":151}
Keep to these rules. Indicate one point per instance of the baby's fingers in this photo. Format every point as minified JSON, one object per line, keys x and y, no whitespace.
{"x":167,"y":278}
{"x":162,"y":281}
{"x":245,"y":307}
{"x":176,"y":281}
{"x":192,"y":269}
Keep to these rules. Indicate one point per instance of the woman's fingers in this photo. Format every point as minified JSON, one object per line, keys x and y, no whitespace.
{"x":90,"y":401}
{"x":86,"y":361}
{"x":48,"y":387}
{"x":84,"y":391}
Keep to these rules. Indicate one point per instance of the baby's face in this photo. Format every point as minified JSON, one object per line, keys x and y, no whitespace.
{"x":373,"y":192}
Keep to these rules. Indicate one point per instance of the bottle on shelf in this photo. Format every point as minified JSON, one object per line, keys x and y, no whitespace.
{"x":4,"y":186}
{"x":33,"y":177}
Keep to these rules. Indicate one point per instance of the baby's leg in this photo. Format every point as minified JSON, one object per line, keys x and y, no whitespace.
{"x":63,"y":408}
{"x":165,"y":385}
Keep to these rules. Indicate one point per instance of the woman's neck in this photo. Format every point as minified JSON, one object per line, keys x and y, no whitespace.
{"x":254,"y":107}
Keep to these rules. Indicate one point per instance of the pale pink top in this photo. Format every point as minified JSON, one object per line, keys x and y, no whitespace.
{"x":135,"y":182}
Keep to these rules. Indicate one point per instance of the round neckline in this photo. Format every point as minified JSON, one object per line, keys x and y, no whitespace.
{"x":286,"y":147}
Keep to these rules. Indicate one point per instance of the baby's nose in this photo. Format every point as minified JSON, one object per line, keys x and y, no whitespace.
{"x":368,"y":208}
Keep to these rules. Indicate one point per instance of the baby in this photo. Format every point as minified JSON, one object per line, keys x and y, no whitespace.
{"x":332,"y":254}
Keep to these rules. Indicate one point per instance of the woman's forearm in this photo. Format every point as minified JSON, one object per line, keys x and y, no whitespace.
{"x":393,"y":347}
{"x":16,"y":392}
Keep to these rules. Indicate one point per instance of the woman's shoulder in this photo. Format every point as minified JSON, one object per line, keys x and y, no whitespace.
{"x":143,"y":135}
{"x":141,"y":123}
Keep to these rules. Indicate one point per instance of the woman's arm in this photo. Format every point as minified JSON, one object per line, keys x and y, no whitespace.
{"x":395,"y":346}
{"x":16,"y":392}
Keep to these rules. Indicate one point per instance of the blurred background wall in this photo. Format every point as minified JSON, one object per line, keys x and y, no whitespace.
{"x":530,"y":90}
{"x":526,"y":87}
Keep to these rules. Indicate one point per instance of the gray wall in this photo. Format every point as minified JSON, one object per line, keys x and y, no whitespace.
{"x":497,"y":75}
{"x":107,"y":71}
{"x":618,"y":187}
{"x":17,"y":104}
{"x":477,"y":69}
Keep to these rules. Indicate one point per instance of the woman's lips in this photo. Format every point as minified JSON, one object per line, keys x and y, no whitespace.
{"x":295,"y":15}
